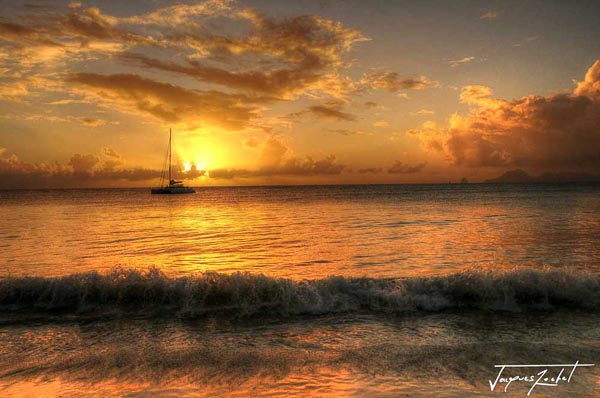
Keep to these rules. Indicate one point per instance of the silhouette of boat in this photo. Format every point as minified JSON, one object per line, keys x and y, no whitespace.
{"x":170,"y":186}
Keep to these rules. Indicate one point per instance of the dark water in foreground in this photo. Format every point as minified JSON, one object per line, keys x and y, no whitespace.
{"x":435,"y":285}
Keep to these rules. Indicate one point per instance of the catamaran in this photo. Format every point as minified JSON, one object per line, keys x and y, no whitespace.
{"x":172,"y":186}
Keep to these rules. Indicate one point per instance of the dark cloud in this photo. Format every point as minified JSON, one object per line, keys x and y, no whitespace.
{"x":169,"y":102}
{"x":83,"y":163}
{"x":402,"y":168}
{"x":393,"y":82}
{"x":92,"y":121}
{"x":278,"y":84}
{"x":21,"y":35}
{"x":555,"y":131}
{"x":331,"y":110}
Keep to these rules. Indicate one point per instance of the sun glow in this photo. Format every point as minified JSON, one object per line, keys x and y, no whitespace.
{"x":203,"y":151}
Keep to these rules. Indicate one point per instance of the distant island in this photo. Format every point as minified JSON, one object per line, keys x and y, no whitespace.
{"x":521,"y":176}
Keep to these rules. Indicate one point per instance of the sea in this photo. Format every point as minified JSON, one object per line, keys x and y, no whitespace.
{"x":308,"y":291}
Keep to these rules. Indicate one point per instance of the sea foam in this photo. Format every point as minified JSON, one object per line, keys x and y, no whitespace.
{"x":129,"y":292}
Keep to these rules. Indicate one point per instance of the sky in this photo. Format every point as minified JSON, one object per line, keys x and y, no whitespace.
{"x":296,"y":92}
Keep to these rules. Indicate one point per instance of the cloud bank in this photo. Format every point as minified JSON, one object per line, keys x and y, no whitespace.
{"x":81,"y":170}
{"x":558,"y":131}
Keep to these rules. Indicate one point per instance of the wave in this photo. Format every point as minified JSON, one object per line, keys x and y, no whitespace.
{"x":130,"y":292}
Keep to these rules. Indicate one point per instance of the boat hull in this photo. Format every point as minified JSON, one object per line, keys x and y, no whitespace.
{"x":172,"y":190}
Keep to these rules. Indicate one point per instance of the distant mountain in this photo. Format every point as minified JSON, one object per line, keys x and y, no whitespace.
{"x":521,"y":176}
{"x":517,"y":175}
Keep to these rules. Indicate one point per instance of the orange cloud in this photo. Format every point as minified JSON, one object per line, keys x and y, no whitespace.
{"x":489,"y":15}
{"x":555,"y":131}
{"x":461,"y":61}
{"x":425,"y":112}
{"x":111,"y":153}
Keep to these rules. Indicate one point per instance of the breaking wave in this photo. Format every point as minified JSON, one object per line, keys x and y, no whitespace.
{"x":150,"y":292}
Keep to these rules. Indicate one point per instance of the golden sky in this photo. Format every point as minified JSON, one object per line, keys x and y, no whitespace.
{"x":310,"y":92}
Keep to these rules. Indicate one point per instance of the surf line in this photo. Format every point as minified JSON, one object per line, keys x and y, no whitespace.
{"x":539,"y":379}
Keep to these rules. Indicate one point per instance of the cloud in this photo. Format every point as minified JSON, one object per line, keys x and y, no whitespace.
{"x":590,"y":86}
{"x":292,"y":167}
{"x":478,"y":95}
{"x":81,"y":170}
{"x":276,"y":160}
{"x":425,"y":112}
{"x":370,"y":170}
{"x":461,"y":61}
{"x":279,"y":84}
{"x":402,"y":168}
{"x":251,"y":142}
{"x":111,"y":153}
{"x":330,"y":110}
{"x":23,"y":34}
{"x":180,"y":14}
{"x":67,"y":102}
{"x":310,"y":49}
{"x":393,"y":82}
{"x":527,"y":40}
{"x":347,"y":133}
{"x":90,"y":23}
{"x":253,"y":57}
{"x":167,"y":102}
{"x":557,"y":131}
{"x":489,"y":15}
{"x":92,"y":121}
{"x":83,"y":163}
{"x":381,"y":123}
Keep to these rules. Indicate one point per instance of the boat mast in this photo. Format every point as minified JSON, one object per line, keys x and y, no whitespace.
{"x":170,"y":156}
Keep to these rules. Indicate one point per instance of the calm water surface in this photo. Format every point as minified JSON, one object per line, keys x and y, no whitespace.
{"x":302,"y":232}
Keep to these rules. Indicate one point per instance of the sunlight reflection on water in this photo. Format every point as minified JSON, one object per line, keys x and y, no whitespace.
{"x":301,"y":232}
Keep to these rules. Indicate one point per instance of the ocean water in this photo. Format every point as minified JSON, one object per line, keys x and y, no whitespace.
{"x":383,"y":291}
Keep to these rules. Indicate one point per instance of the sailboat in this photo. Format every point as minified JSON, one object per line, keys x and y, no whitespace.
{"x":173,"y":186}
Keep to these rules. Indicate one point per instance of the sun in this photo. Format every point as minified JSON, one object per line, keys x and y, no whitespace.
{"x":187,"y":166}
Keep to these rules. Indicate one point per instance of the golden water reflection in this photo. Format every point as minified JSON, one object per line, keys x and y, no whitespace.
{"x":301,"y":232}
